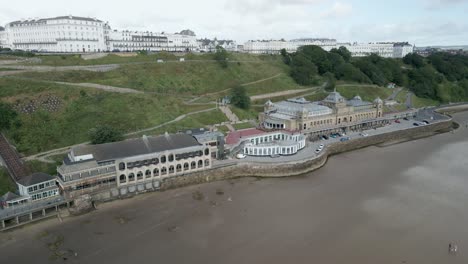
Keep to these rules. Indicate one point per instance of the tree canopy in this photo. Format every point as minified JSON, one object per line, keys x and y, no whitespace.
{"x":221,"y":56}
{"x":441,"y":76}
{"x":104,"y":134}
{"x":240,"y":98}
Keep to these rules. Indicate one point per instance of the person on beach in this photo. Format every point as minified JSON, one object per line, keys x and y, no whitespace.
{"x":450,"y":247}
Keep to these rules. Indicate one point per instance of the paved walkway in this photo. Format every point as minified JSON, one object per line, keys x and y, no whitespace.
{"x":409,"y":100}
{"x":229,"y":114}
{"x":395,"y":93}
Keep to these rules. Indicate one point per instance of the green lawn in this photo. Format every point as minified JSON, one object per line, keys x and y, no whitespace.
{"x":223,"y":129}
{"x":423,"y":102}
{"x":242,"y":114}
{"x":367,"y":93}
{"x":243,"y":126}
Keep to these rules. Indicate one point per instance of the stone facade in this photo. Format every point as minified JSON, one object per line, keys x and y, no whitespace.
{"x":299,"y":114}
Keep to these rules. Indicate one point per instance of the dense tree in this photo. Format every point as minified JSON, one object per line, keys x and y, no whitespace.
{"x":343,"y":52}
{"x":105,"y":134}
{"x":423,"y":82}
{"x":414,"y":60}
{"x":317,"y":56}
{"x":454,"y":67}
{"x":303,"y":71}
{"x":330,"y":81}
{"x":441,"y":76}
{"x":7,"y":116}
{"x":240,"y":98}
{"x":367,"y":66}
{"x":286,"y":56}
{"x":221,"y":56}
{"x":348,"y":72}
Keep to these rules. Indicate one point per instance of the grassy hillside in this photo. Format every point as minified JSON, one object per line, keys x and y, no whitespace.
{"x":188,"y":78}
{"x":80,"y":110}
{"x":367,"y":92}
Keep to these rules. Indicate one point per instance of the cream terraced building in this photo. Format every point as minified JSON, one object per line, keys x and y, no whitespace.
{"x":301,"y":115}
{"x":73,"y":34}
{"x":146,"y":160}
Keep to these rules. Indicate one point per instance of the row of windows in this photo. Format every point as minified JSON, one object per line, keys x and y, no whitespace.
{"x":44,"y":195}
{"x":41,"y":186}
{"x":163,"y":159}
{"x":163,"y":171}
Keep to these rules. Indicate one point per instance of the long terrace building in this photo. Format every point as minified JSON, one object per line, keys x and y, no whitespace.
{"x":75,"y":34}
{"x":130,"y":164}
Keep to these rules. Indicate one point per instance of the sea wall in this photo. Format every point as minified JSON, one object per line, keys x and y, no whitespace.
{"x":303,"y":166}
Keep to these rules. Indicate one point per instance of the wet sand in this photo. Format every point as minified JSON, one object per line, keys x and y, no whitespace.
{"x":397,"y":204}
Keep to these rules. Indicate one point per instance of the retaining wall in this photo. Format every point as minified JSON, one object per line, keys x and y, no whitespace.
{"x":304,"y":166}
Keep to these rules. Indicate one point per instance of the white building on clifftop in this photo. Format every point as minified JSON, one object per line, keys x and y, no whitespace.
{"x":81,"y":34}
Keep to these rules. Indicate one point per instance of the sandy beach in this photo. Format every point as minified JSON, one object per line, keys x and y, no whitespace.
{"x":402,"y":203}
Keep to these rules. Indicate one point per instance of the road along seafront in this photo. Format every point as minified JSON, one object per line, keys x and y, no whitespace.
{"x":271,"y":167}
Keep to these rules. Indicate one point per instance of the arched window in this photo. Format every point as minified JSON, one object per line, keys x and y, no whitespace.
{"x":121,"y":166}
{"x":179,"y":168}
{"x":155,"y":161}
{"x":163,"y":159}
{"x":156,"y":172}
{"x":186,"y":166}
{"x":148,"y":174}
{"x":163,"y":171}
{"x":207,"y":152}
{"x":131,"y":177}
{"x":171,"y":169}
{"x":193,"y":165}
{"x":207,"y":162}
{"x":200,"y":163}
{"x":139,"y":176}
{"x":171,"y":157}
{"x":122,"y":178}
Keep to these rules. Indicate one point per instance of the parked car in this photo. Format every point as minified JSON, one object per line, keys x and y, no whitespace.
{"x":321,"y":146}
{"x":333,"y":135}
{"x":241,"y":156}
{"x":415,"y":124}
{"x":274,"y":156}
{"x":364,"y":134}
{"x":405,"y":118}
{"x":344,"y":139}
{"x":397,"y":121}
{"x":426,"y":122}
{"x":318,"y":150}
{"x":324,"y":137}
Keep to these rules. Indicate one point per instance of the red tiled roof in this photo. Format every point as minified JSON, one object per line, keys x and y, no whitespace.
{"x":234,"y":137}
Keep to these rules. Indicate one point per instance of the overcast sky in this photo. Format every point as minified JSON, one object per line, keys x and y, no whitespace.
{"x":421,"y":22}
